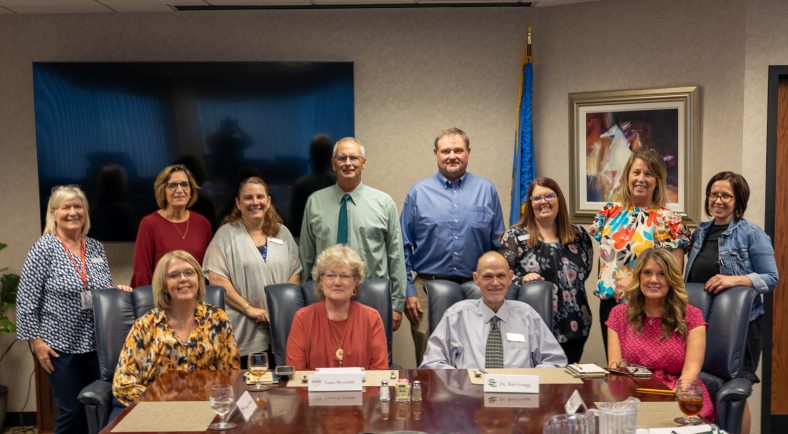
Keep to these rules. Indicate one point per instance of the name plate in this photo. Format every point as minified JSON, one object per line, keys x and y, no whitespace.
{"x":511,"y":400}
{"x":247,"y":405}
{"x":502,"y":383}
{"x":335,"y":382}
{"x":335,"y":399}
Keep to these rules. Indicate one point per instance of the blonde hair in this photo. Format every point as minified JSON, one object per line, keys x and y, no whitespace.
{"x":655,"y":164}
{"x":675,"y":302}
{"x":338,"y":255}
{"x":161,"y":297}
{"x":60,"y":194}
{"x":160,"y":185}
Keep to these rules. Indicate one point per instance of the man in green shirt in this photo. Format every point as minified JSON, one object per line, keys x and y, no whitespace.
{"x":369,"y":224}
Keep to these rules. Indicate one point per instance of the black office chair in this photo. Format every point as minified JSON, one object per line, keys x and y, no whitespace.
{"x":443,"y":294}
{"x":284,"y":300}
{"x":376,"y":293}
{"x":539,"y":295}
{"x":114,"y":312}
{"x":727,"y":314}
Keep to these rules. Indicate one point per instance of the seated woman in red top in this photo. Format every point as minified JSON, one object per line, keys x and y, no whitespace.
{"x":657,"y":328}
{"x":338,"y":331}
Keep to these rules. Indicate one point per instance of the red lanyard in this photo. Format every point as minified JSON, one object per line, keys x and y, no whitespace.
{"x":83,"y":275}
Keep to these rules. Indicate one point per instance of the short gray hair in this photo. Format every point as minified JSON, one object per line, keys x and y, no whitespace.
{"x":338,"y":255}
{"x":349,"y":139}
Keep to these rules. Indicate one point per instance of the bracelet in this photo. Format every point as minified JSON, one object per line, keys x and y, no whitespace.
{"x":246,"y":306}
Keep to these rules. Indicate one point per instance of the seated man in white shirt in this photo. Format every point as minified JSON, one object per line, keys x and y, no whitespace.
{"x":492,"y":332}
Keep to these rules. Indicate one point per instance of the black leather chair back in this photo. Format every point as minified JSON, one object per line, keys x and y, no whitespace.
{"x":699,"y":298}
{"x":143,"y":298}
{"x":539,"y":295}
{"x":310,"y":296}
{"x":284,"y":300}
{"x":113,"y":312}
{"x":442,"y":294}
{"x":376,"y":293}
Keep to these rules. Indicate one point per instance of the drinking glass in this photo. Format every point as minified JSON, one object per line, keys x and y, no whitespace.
{"x":258,"y":366}
{"x":222,"y":402}
{"x":689,"y":394}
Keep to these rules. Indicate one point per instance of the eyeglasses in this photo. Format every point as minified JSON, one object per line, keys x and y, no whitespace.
{"x":343,"y":277}
{"x":724,"y":197}
{"x":548,"y":197}
{"x":174,"y":185}
{"x":176,"y":275}
{"x":354,"y":159}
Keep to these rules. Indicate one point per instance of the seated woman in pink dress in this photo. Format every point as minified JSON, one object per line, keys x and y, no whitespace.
{"x":337,"y":331}
{"x":657,"y":328}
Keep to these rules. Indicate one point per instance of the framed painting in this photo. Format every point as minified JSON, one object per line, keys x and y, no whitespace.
{"x":605,"y":127}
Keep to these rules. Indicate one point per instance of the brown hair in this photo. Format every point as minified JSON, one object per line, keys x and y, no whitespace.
{"x":566,"y":233}
{"x":160,"y":185}
{"x":657,"y":167}
{"x":676,"y":300}
{"x":272,"y":219}
{"x":741,"y":191}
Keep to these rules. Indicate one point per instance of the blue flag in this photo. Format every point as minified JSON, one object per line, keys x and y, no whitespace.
{"x":523,"y":167}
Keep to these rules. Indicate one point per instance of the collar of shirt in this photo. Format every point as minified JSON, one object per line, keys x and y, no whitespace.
{"x":200,"y":312}
{"x":354,"y":195}
{"x":457,"y":183}
{"x":487,"y":313}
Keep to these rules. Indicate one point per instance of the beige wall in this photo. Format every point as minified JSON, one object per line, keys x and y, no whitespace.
{"x":418,"y":71}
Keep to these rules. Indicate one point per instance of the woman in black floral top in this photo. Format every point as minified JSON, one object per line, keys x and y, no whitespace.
{"x":544,"y":245}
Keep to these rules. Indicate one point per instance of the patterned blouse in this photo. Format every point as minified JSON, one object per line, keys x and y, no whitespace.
{"x":567,"y":266}
{"x":49,"y":302}
{"x":152,"y":348}
{"x":624,"y":232}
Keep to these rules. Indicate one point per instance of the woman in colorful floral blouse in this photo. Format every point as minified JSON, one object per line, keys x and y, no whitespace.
{"x":638,"y":221}
{"x":545,"y":245}
{"x":180,"y":333}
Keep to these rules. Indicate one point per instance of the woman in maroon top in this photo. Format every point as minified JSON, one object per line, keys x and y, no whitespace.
{"x":172,"y":226}
{"x":337,"y":331}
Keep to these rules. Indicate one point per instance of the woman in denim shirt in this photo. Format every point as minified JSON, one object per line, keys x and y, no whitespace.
{"x":731,"y":251}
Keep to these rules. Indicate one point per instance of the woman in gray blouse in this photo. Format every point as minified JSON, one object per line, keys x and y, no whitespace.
{"x":250,"y":250}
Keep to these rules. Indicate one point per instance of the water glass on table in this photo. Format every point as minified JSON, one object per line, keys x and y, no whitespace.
{"x":579,"y":423}
{"x":689,"y":394}
{"x":258,"y":366}
{"x":619,"y":417}
{"x":222,"y":402}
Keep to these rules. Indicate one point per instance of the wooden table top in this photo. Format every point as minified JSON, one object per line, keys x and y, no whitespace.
{"x":450,"y":404}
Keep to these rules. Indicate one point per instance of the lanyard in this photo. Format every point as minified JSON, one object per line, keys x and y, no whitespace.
{"x":83,"y":274}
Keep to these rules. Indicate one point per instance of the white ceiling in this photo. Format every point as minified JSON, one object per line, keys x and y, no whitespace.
{"x":133,"y":6}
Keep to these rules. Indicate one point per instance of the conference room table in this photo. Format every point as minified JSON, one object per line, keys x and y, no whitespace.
{"x":451,"y":404}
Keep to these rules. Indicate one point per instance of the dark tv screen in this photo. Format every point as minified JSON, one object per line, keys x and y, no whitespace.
{"x":111,"y":127}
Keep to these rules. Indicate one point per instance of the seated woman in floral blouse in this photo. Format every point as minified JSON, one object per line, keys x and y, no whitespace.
{"x":181,"y":333}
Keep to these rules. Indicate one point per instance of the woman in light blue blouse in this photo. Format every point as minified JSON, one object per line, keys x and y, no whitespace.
{"x":731,"y":251}
{"x":55,"y":303}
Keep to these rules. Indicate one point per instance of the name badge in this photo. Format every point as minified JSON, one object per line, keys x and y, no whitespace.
{"x":515,"y":337}
{"x":511,"y":400}
{"x":502,"y":383}
{"x":330,"y":382}
{"x":247,"y":405}
{"x":97,"y":260}
{"x":275,"y":240}
{"x":86,"y":300}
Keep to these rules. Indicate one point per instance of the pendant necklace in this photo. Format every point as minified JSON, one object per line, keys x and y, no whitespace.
{"x":182,"y":234}
{"x":340,"y":353}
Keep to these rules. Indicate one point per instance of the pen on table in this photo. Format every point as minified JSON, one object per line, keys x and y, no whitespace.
{"x":655,"y":391}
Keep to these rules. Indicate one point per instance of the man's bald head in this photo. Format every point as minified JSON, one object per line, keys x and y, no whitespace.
{"x":493,"y":277}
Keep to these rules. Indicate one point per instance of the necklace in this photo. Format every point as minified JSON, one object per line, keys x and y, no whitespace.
{"x":182,"y":234}
{"x":340,"y":353}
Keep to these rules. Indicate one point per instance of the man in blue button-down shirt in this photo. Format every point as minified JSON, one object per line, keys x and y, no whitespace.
{"x":448,"y":221}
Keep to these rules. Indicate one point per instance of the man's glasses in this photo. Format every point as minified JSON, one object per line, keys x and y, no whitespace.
{"x":354,"y":159}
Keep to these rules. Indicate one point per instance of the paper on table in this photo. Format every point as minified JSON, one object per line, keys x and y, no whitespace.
{"x":159,"y":416}
{"x":546,"y":375}
{"x":267,"y":378}
{"x":693,"y":429}
{"x":657,"y":414}
{"x":373,"y":378}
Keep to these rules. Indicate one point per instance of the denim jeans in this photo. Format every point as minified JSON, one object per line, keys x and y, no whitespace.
{"x":72,"y":373}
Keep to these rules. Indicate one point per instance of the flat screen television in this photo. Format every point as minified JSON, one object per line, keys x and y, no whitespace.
{"x":111,"y":127}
